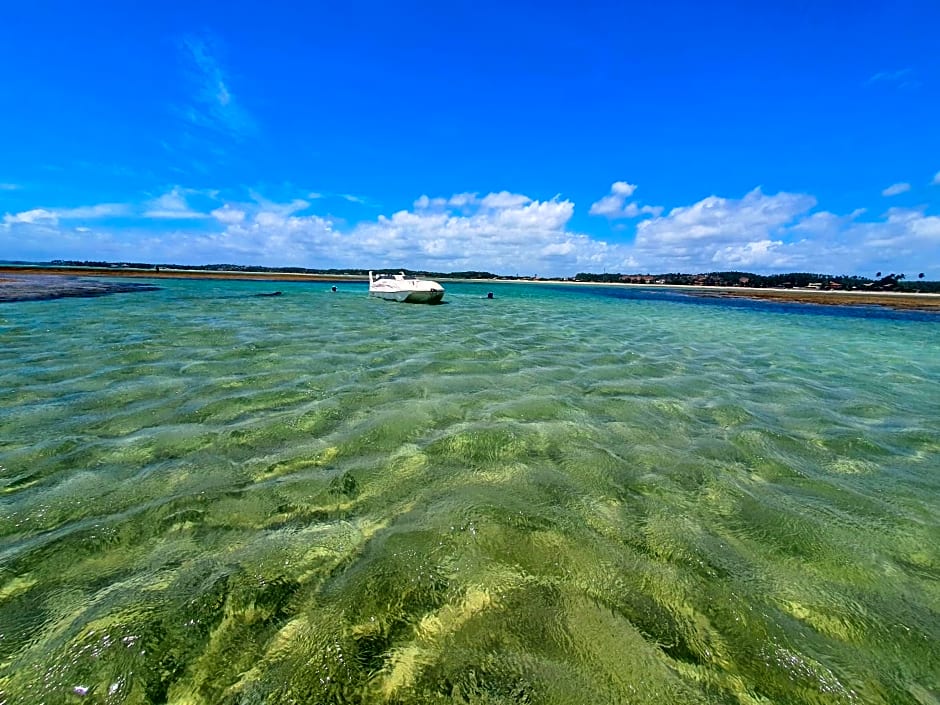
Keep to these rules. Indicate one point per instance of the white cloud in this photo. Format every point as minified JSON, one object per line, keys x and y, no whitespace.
{"x":632,"y":210}
{"x":54,"y":215}
{"x":622,"y":188}
{"x":890,"y":76}
{"x":36,"y":215}
{"x":936,"y":179}
{"x":501,"y":232}
{"x":819,"y":224}
{"x":723,"y":219}
{"x":895,"y":189}
{"x":904,"y":79}
{"x":504,"y":199}
{"x":614,"y":205}
{"x":172,"y":205}
{"x":9,"y":187}
{"x":751,"y":255}
{"x":462,"y":200}
{"x":424,"y":203}
{"x":228,"y":215}
{"x":213,"y":104}
{"x":102,"y":210}
{"x":297,"y":204}
{"x":777,"y":233}
{"x":721,"y":232}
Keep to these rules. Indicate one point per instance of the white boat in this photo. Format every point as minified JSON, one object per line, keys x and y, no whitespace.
{"x":398,"y":287}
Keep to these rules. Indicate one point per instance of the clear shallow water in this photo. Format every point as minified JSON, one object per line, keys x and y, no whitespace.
{"x":557,"y":496}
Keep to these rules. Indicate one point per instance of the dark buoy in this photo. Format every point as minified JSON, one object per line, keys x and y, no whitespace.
{"x":489,"y":294}
{"x":332,"y":288}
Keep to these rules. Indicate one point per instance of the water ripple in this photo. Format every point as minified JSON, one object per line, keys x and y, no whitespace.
{"x":560,"y":495}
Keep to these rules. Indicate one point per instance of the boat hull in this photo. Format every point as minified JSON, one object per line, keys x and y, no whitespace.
{"x":410,"y":297}
{"x":404,"y":290}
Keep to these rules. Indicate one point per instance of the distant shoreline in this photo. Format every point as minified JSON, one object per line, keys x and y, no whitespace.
{"x":895,"y":300}
{"x":903,"y":300}
{"x":177,"y":273}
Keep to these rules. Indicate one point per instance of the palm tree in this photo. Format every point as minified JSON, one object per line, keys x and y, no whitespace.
{"x":920,"y":276}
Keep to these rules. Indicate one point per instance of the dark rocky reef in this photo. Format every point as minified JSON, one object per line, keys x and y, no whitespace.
{"x":39,"y":287}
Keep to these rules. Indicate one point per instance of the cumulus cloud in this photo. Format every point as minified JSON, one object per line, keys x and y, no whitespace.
{"x":722,"y":232}
{"x":458,"y":200}
{"x":502,"y":232}
{"x":228,"y":215}
{"x":715,"y":218}
{"x":462,"y":200}
{"x":758,"y":254}
{"x":614,"y":205}
{"x":761,"y":232}
{"x":895,"y":189}
{"x":504,"y":199}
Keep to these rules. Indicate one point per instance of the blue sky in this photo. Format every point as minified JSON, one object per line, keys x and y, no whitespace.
{"x":541,"y":138}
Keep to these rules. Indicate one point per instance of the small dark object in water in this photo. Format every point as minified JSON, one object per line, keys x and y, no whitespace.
{"x":273,"y":293}
{"x":489,"y":294}
{"x":332,"y":288}
{"x":345,"y":484}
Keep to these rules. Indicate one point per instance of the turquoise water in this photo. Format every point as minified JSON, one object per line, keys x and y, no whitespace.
{"x":562,"y":495}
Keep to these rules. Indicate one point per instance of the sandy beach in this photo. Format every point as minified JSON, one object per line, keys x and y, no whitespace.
{"x":895,"y":300}
{"x":900,"y":300}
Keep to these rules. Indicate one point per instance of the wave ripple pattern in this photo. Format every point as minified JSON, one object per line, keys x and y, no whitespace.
{"x":553,"y":496}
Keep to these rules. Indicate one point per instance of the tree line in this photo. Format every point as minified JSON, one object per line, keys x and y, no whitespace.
{"x":791,"y":280}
